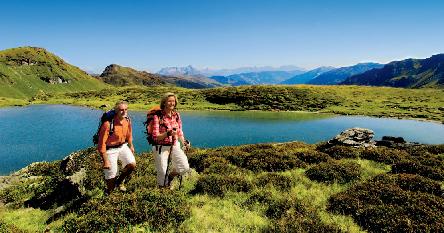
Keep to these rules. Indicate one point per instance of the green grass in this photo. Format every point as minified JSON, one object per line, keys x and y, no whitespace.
{"x":210,"y":214}
{"x":25,"y":219}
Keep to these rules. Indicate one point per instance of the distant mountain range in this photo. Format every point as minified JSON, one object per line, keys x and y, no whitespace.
{"x":192,"y":71}
{"x":255,"y":78}
{"x":410,"y":73}
{"x":307,"y":76}
{"x":27,"y":71}
{"x":338,"y":75}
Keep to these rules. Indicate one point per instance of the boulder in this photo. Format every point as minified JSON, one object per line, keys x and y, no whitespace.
{"x":354,"y":137}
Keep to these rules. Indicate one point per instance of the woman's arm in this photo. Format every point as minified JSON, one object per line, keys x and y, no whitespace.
{"x":156,"y":134}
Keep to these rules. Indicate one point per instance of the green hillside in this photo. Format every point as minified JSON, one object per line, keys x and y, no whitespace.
{"x":410,"y":73}
{"x":124,"y":76}
{"x":27,"y":71}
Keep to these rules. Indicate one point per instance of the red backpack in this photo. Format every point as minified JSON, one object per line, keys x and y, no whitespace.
{"x":154,"y":111}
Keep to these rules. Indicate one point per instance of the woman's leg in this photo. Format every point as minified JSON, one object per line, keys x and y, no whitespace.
{"x":161,"y":161}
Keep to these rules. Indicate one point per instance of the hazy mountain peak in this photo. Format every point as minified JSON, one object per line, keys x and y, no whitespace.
{"x":174,"y":71}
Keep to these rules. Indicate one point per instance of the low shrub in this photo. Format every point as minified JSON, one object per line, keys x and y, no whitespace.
{"x":312,"y":156}
{"x":417,"y":183}
{"x":225,"y":169}
{"x":415,"y":167}
{"x":387,"y":203}
{"x":218,"y":185}
{"x":419,"y":150}
{"x":297,"y":223}
{"x":329,"y":172}
{"x":278,"y":181}
{"x":255,"y":147}
{"x":271,"y":161}
{"x":43,"y":168}
{"x":292,"y":216}
{"x":161,"y":209}
{"x":280,"y":207}
{"x":257,"y":157}
{"x":196,"y":158}
{"x":341,"y":152}
{"x":261,"y":197}
{"x":384,"y":155}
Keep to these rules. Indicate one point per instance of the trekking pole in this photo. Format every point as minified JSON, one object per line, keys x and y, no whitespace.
{"x":168,"y":166}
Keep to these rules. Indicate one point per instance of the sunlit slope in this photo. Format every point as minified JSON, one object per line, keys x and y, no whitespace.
{"x":26,"y":71}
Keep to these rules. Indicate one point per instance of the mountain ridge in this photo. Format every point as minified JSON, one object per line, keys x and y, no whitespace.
{"x":407,"y":73}
{"x":338,"y":75}
{"x":255,"y":78}
{"x":307,"y":76}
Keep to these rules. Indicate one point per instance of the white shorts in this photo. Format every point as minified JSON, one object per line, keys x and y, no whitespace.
{"x":178,"y":159}
{"x":124,"y":154}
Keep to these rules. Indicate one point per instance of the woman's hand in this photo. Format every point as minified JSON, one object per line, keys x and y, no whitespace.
{"x":172,"y":132}
{"x":186,"y":145}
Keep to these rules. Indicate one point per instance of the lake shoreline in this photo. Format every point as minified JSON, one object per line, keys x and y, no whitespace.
{"x":228,"y":110}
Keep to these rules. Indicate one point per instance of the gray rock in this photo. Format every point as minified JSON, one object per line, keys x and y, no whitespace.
{"x":354,"y":137}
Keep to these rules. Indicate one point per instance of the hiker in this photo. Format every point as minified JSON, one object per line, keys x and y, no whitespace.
{"x":168,"y":137}
{"x":117,"y":145}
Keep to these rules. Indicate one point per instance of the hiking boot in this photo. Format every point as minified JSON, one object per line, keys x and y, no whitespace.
{"x":170,"y":179}
{"x":122,"y":188}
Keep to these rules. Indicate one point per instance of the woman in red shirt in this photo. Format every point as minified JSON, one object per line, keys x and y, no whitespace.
{"x":168,"y":134}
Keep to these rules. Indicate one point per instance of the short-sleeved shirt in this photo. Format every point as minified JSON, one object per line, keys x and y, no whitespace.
{"x":122,"y":133}
{"x":169,"y":122}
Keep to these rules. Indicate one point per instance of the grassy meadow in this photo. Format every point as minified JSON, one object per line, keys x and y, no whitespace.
{"x":286,"y":187}
{"x":425,"y":104}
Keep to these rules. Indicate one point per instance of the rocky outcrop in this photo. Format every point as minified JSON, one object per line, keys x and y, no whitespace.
{"x":54,"y":80}
{"x":360,"y":137}
{"x":68,"y":185}
{"x":354,"y":137}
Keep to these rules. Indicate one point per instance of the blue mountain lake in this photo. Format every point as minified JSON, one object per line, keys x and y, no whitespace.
{"x":50,"y":132}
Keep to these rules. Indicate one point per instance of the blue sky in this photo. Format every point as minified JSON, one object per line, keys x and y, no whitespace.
{"x":149,"y":35}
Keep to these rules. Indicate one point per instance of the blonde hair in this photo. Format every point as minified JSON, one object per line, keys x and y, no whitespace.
{"x":164,"y":100}
{"x":119,"y":103}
